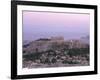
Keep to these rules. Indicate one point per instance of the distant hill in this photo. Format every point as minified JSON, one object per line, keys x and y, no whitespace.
{"x":26,"y":42}
{"x":43,"y":39}
{"x":85,"y":39}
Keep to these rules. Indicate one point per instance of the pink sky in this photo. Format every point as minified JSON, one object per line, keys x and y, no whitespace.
{"x":46,"y":24}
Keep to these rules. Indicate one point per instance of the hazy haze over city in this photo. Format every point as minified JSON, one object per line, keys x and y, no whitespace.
{"x":47,"y":24}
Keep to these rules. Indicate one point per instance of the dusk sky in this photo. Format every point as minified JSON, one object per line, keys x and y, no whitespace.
{"x":47,"y":24}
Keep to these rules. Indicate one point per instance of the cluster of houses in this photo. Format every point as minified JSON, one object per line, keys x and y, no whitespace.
{"x":57,"y":58}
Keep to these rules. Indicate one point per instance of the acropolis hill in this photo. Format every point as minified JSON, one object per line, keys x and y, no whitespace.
{"x":55,"y":52}
{"x":44,"y":44}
